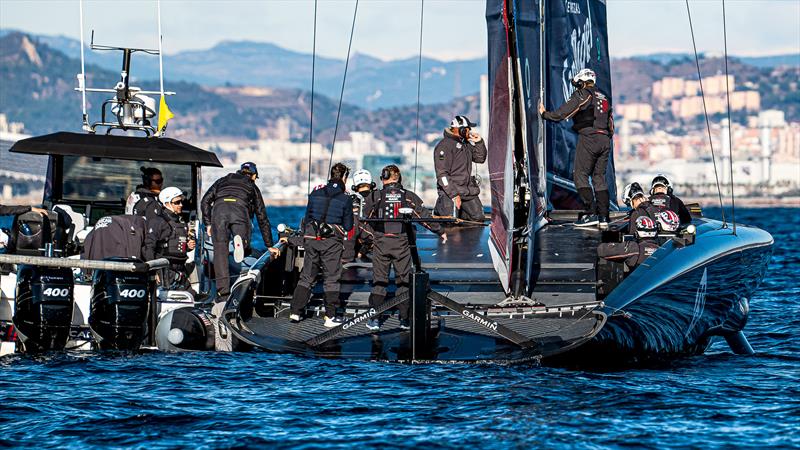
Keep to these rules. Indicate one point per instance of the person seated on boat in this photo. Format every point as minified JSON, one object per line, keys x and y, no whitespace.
{"x":168,"y":236}
{"x":115,"y":236}
{"x":329,"y":217}
{"x":144,"y":200}
{"x":632,"y":253}
{"x":591,"y":113}
{"x":227,"y":207}
{"x":633,"y":196}
{"x":11,"y":210}
{"x":392,"y":246}
{"x":358,"y":241}
{"x":663,"y":198}
{"x":456,"y":185}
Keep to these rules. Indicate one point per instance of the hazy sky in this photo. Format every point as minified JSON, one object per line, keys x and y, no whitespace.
{"x":388,"y":29}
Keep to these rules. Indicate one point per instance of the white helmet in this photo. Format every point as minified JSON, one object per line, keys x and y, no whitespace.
{"x":362,"y":176}
{"x":169,"y":194}
{"x":462,"y":122}
{"x":583,"y":76}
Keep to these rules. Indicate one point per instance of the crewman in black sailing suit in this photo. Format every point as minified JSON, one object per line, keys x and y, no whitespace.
{"x":144,"y":200}
{"x":642,"y":224}
{"x":392,"y":246}
{"x":453,"y":158}
{"x":662,"y":197}
{"x":227,"y":208}
{"x":168,"y":236}
{"x":592,"y":118}
{"x":329,"y":216}
{"x":357,"y":241}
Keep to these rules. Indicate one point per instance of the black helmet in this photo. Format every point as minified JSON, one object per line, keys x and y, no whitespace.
{"x":249,"y":168}
{"x":631,"y":191}
{"x":661,"y":180}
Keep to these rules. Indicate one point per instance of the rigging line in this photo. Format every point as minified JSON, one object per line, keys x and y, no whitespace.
{"x":419,"y":87}
{"x":344,"y":80}
{"x":705,"y":114}
{"x":311,"y":119}
{"x":730,"y":123}
{"x":82,"y":78}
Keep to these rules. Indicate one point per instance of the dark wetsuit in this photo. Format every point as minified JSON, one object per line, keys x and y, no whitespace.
{"x":590,"y":111}
{"x":323,"y":252}
{"x":358,"y":240}
{"x":632,"y":253}
{"x":227,"y":207}
{"x":145,"y":203}
{"x":453,"y":159}
{"x":392,"y":247}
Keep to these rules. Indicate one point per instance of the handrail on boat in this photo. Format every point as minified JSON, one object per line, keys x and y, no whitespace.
{"x":116,"y":266}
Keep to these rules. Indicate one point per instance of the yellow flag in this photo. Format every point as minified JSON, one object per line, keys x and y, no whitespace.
{"x":164,"y":114}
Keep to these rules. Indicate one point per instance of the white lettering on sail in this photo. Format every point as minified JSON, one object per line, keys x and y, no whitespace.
{"x":573,"y":7}
{"x":581,"y":49}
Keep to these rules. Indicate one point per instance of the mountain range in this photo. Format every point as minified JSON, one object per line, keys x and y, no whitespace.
{"x":371,"y":83}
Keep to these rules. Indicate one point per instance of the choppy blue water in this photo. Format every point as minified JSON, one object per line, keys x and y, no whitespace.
{"x":262,"y":400}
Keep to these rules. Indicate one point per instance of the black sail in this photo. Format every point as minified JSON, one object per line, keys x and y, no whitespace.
{"x":576,"y":38}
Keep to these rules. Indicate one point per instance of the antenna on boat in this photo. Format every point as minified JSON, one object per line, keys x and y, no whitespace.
{"x":419,"y":87}
{"x":131,"y":107}
{"x":313,"y":76}
{"x":344,"y":81}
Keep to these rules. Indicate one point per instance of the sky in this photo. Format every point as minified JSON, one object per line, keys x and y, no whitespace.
{"x":389,"y":29}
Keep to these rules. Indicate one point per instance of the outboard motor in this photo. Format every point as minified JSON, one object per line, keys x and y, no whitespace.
{"x":119,"y":309}
{"x":43,"y":307}
{"x":185,"y":329}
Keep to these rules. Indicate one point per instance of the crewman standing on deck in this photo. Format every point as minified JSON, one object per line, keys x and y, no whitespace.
{"x":392,"y":247}
{"x":453,"y":157}
{"x":329,"y":217}
{"x":592,"y":118}
{"x":227,"y":207}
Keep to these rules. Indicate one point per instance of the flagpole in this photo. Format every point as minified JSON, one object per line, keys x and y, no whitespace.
{"x":162,"y":102}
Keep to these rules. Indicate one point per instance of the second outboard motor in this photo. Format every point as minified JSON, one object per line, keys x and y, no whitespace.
{"x":43,"y":307}
{"x":119,"y":309}
{"x":185,"y":329}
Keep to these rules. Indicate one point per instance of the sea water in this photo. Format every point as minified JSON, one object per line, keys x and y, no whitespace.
{"x":205,"y":400}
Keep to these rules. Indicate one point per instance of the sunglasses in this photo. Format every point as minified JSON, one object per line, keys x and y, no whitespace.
{"x":157,"y":180}
{"x":177,"y":202}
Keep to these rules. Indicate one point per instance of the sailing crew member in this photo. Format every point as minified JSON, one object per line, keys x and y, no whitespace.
{"x":168,"y":236}
{"x":329,"y":216}
{"x":642,"y":224}
{"x":453,"y":157}
{"x":392,"y":246}
{"x":144,"y":200}
{"x":358,"y":241}
{"x":591,"y":113}
{"x":662,"y":197}
{"x":363,"y":186}
{"x":227,"y":207}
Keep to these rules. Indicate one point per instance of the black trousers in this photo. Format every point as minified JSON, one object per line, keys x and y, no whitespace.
{"x":324,"y":256}
{"x":591,"y":160}
{"x":471,"y":209}
{"x":390,"y":251}
{"x":228,"y":220}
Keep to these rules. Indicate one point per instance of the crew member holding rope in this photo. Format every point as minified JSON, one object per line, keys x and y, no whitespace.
{"x":453,"y":157}
{"x":591,"y":114}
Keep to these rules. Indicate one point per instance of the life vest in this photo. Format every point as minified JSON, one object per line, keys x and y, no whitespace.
{"x":392,"y":199}
{"x":236,"y":188}
{"x":597,"y":114}
{"x":176,"y":245}
{"x":140,"y":201}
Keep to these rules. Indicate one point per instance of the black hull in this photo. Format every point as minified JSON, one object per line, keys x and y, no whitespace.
{"x":680,"y":298}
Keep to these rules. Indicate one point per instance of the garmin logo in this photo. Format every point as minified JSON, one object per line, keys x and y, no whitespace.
{"x":480,"y":320}
{"x":573,"y":7}
{"x":580,"y":52}
{"x":367,"y":315}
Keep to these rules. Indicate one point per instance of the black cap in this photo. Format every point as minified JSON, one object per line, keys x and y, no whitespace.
{"x":250,"y":167}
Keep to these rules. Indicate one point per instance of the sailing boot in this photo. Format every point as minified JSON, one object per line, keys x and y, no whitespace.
{"x":602,"y":209}
{"x":375,"y":301}
{"x":589,"y":217}
{"x":332,"y":317}
{"x":300,"y":299}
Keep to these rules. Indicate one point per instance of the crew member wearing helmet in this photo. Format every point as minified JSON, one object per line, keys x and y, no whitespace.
{"x":642,"y":225}
{"x":392,"y":247}
{"x":144,"y":200}
{"x":662,"y":197}
{"x":227,"y":207}
{"x":591,"y":114}
{"x":453,"y":156}
{"x":329,"y":217}
{"x":357,"y":241}
{"x":362,"y":183}
{"x":168,"y":236}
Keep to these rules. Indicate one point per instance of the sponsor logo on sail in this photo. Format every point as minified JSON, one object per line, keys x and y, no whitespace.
{"x":572,"y":7}
{"x":581,"y":48}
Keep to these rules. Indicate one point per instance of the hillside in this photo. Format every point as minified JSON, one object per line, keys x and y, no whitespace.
{"x":38,"y":84}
